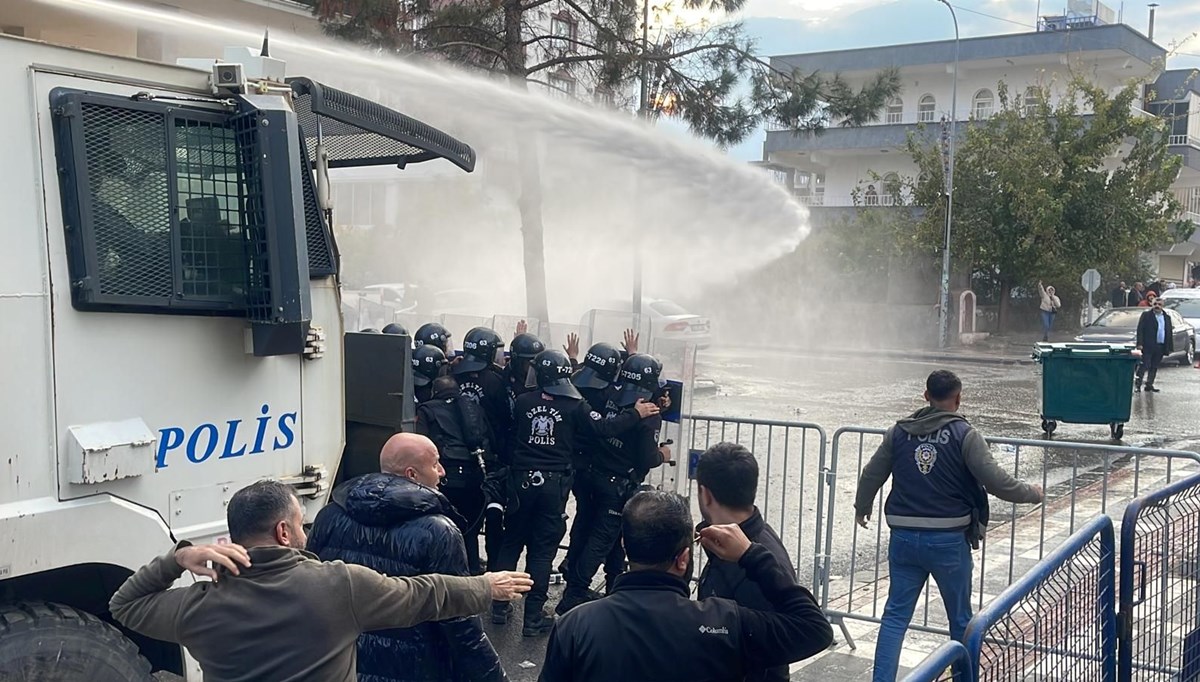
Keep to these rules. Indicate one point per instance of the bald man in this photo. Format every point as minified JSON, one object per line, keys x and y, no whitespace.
{"x":397,"y":523}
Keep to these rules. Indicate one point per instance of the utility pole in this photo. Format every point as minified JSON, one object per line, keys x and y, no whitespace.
{"x":944,"y":307}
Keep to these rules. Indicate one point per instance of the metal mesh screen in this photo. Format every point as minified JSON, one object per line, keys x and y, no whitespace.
{"x":316,"y":232}
{"x":258,"y":281}
{"x":1056,"y":631}
{"x":1165,"y":630}
{"x":345,"y":142}
{"x":128,"y":195}
{"x":359,"y":132}
{"x":212,"y":241}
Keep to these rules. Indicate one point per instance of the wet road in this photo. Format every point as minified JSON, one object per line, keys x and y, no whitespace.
{"x":1000,"y":400}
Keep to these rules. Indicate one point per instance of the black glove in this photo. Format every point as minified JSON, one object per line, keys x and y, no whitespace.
{"x":495,"y":487}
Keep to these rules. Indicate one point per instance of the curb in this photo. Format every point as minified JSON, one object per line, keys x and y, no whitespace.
{"x":915,"y":354}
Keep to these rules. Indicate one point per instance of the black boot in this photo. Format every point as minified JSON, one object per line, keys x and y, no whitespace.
{"x":501,"y":612}
{"x":537,"y":623}
{"x":570,"y":599}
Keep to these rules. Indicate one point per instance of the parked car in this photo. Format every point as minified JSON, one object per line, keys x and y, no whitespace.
{"x":669,"y":320}
{"x":1119,"y":325}
{"x":399,"y":296}
{"x":1186,"y":302}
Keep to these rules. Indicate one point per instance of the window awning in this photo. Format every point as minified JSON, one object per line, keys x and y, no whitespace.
{"x":358,"y":132}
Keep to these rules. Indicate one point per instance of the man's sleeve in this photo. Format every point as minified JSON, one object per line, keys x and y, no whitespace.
{"x":557,"y":666}
{"x":471,"y":653}
{"x":610,"y":427}
{"x":795,"y":630}
{"x":995,"y":480}
{"x":379,"y":602}
{"x":874,"y":475}
{"x":146,"y":603}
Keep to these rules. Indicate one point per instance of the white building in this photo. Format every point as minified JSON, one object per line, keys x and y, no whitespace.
{"x":825,"y":169}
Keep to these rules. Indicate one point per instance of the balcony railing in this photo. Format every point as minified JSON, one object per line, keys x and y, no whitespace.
{"x":1184,"y":140}
{"x":846,"y":200}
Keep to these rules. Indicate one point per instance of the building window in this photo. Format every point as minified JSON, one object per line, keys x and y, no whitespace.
{"x":926,"y":108}
{"x":1031,"y":100}
{"x":603,"y":97}
{"x":563,"y":26}
{"x":895,"y":110}
{"x":871,"y":197}
{"x":562,"y":85}
{"x":983,"y":104}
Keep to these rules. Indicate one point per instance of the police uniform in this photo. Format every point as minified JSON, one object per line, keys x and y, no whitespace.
{"x":487,"y":388}
{"x":616,"y":466}
{"x":546,"y":432}
{"x":456,"y":425}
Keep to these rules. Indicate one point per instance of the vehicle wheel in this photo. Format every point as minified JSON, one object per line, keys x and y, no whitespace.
{"x":1118,"y":430}
{"x":1048,"y":426}
{"x":1189,"y":356}
{"x":43,"y":642}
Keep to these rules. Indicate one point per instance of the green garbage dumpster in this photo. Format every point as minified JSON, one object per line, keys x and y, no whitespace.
{"x":1086,"y":383}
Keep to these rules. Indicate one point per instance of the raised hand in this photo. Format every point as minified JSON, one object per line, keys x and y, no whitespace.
{"x":630,"y":343}
{"x":572,"y":347}
{"x":522,"y":328}
{"x":196,"y":559}
{"x":727,"y":541}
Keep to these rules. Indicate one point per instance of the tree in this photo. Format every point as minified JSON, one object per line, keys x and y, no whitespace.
{"x":1045,"y":189}
{"x":694,"y":73}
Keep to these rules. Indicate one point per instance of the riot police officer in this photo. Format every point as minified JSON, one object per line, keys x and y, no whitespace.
{"x":427,"y":364}
{"x":433,"y":334}
{"x":525,"y":348}
{"x":480,"y":375}
{"x":457,"y":426}
{"x":394,"y":328}
{"x":547,"y":426}
{"x":617,"y":466}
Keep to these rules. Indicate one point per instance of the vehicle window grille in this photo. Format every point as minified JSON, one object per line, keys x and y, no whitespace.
{"x":258,"y":291}
{"x":321,"y":258}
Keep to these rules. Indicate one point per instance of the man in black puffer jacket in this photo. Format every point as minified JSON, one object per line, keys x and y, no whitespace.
{"x":397,"y":523}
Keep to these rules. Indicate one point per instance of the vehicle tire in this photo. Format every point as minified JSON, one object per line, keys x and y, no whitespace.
{"x":1189,"y":356}
{"x":1118,"y":431}
{"x":45,"y":642}
{"x":1049,"y":425}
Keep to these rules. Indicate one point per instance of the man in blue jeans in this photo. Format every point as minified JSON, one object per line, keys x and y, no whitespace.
{"x":937,"y":463}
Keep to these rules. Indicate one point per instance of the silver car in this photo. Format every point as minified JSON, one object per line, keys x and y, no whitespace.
{"x":1119,"y":325}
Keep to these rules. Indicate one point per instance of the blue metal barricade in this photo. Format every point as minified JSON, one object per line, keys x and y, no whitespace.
{"x":939,"y":666}
{"x":1160,"y":584}
{"x":1056,"y":622}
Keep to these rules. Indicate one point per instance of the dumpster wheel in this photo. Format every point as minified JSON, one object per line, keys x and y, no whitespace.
{"x":1117,"y":430}
{"x":1048,"y":426}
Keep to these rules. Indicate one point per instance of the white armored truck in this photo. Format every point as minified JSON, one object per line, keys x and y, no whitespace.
{"x":170,"y":325}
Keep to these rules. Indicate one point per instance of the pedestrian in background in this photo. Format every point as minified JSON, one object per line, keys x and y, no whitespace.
{"x":1120,"y":296}
{"x":1049,"y":308}
{"x":936,"y":510}
{"x":1155,"y":338}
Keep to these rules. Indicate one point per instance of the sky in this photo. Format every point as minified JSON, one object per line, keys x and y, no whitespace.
{"x":797,"y":26}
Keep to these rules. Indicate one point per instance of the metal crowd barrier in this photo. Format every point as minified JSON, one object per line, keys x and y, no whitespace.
{"x":939,"y":666}
{"x":1160,"y":584}
{"x":791,"y":485}
{"x":1080,"y":480}
{"x":1056,"y":622}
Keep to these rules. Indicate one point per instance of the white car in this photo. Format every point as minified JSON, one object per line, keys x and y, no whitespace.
{"x":401,"y":297}
{"x":669,"y":320}
{"x":1186,"y":302}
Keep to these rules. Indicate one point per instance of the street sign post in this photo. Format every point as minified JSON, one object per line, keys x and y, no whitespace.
{"x":1090,"y":282}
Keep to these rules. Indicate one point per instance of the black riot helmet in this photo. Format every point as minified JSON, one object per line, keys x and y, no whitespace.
{"x":481,"y":349}
{"x":553,"y":371}
{"x":526,"y":347}
{"x":600,"y":366}
{"x":640,"y":377}
{"x":368,"y":330}
{"x":433,"y":334}
{"x":427,"y":363}
{"x":393,"y":328}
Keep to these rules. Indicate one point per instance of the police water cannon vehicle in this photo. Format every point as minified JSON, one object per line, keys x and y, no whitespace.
{"x":172,"y":325}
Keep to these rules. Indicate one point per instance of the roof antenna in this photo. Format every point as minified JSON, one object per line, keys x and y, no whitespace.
{"x":266,"y":48}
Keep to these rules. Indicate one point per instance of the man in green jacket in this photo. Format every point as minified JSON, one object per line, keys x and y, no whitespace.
{"x":275,"y":612}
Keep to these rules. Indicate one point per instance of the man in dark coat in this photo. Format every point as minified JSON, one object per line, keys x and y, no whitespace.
{"x":727,"y":475}
{"x":397,"y":523}
{"x":1155,"y":340}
